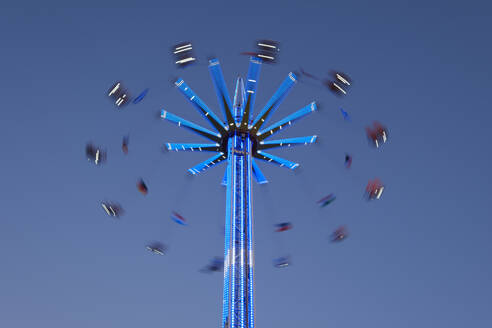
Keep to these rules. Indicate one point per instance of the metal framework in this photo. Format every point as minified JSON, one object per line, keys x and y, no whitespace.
{"x":239,"y":141}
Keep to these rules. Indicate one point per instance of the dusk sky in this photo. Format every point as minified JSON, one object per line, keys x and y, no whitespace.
{"x":418,"y":257}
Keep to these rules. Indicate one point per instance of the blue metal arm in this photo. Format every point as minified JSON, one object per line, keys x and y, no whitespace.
{"x":260,"y":178}
{"x":274,"y":102}
{"x":192,"y":147}
{"x":220,"y":157}
{"x":200,"y":106}
{"x":221,"y":90}
{"x":278,"y":160}
{"x":251,"y":86}
{"x":224,"y":179}
{"x":263,"y":134}
{"x":287,"y":142}
{"x":191,"y":126}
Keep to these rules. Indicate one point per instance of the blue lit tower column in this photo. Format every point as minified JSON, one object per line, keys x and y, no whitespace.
{"x":239,"y":141}
{"x":238,"y":301}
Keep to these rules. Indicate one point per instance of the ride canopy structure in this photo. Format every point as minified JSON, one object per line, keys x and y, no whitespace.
{"x":239,"y":142}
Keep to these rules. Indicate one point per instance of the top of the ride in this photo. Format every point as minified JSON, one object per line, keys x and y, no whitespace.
{"x":239,"y":98}
{"x":237,"y":120}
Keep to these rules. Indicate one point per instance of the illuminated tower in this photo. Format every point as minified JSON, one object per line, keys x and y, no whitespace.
{"x":239,"y":141}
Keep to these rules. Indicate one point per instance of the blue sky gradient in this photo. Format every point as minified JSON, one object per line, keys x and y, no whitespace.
{"x":420,"y":257}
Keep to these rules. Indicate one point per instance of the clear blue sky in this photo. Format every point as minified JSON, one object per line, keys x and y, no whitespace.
{"x":420,"y":257}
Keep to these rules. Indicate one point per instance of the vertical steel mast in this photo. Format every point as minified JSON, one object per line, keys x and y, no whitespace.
{"x":238,"y":304}
{"x":240,"y":141}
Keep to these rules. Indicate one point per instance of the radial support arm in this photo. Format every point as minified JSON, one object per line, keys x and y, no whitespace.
{"x":192,"y":147}
{"x":287,"y":142}
{"x":220,"y":157}
{"x":260,"y":178}
{"x":200,"y":106}
{"x":251,"y":86}
{"x":277,"y":160}
{"x":224,"y":179}
{"x":221,"y":90}
{"x":191,"y":126}
{"x":263,"y":134}
{"x":274,"y":102}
